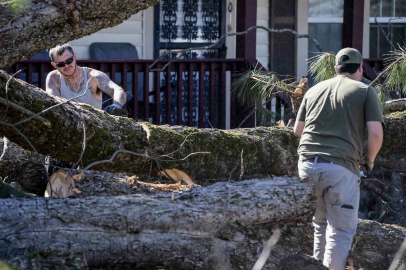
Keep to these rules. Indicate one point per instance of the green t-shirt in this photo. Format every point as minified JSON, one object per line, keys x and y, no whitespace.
{"x":335,"y":113}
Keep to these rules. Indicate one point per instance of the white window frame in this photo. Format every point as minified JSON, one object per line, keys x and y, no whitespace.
{"x":385,"y":19}
{"x":325,"y":20}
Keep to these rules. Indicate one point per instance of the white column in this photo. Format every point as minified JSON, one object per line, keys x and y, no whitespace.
{"x":365,"y":43}
{"x":262,"y":46}
{"x":231,"y":27}
{"x":302,"y":46}
{"x":148,"y":33}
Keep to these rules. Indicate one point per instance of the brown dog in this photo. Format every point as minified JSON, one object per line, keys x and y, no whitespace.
{"x":63,"y":184}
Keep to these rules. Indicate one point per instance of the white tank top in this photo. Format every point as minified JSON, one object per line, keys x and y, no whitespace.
{"x":88,"y":98}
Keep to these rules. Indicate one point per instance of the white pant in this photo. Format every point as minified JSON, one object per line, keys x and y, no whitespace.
{"x":336,"y":217}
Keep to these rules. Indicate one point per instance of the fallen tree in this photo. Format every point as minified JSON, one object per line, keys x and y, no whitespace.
{"x":222,"y":225}
{"x":21,"y":166}
{"x":396,"y":105}
{"x":48,"y":23}
{"x":59,"y":133}
{"x":264,"y":151}
{"x":219,"y":227}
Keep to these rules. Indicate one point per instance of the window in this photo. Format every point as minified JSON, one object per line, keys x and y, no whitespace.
{"x":391,"y":16}
{"x":326,"y":24}
{"x":379,"y":45}
{"x":329,"y":35}
{"x":388,"y":8}
{"x":326,"y":8}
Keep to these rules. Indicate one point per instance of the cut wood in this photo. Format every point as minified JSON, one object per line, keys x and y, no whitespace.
{"x":27,"y":27}
{"x":177,"y":176}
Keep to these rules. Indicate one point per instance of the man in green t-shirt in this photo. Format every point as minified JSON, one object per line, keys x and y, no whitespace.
{"x":331,"y":125}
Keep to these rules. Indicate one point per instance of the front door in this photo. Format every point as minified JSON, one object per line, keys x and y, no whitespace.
{"x":183,"y":24}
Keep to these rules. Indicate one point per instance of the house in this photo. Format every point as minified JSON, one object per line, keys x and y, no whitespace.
{"x":173,"y":25}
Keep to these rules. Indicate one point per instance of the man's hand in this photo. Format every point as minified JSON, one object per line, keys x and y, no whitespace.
{"x":116,"y":109}
{"x":366,"y":167}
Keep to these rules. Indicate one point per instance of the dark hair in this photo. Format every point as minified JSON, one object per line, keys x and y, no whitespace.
{"x":59,"y":50}
{"x":347,"y":68}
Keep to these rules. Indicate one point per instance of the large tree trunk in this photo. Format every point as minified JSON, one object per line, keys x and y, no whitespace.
{"x":393,"y":152}
{"x":50,"y":259}
{"x":223,"y":225}
{"x":27,"y":27}
{"x":396,"y":105}
{"x":59,"y":133}
{"x":22,"y":167}
{"x":265,"y":151}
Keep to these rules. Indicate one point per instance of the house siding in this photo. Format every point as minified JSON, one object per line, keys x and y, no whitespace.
{"x":130,"y":31}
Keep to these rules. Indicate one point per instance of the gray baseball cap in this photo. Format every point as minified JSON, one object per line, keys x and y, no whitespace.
{"x":354,"y":56}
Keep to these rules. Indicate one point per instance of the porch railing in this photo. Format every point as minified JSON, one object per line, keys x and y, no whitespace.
{"x":159,"y":96}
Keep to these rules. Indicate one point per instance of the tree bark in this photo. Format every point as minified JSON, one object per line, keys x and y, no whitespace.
{"x":22,"y":167}
{"x":59,"y":133}
{"x":27,"y":27}
{"x":223,"y":225}
{"x":374,"y":246}
{"x":50,"y":259}
{"x":396,"y":105}
{"x":265,"y":151}
{"x":393,"y":152}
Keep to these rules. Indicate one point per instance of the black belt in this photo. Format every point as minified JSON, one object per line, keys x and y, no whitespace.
{"x":319,"y":160}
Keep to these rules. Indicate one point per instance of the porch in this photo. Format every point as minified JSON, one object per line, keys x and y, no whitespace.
{"x":203,"y":101}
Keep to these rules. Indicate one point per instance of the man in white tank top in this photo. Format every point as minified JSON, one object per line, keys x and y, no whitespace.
{"x":69,"y":80}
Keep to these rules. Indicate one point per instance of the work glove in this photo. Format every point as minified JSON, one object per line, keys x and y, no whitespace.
{"x":365,"y":169}
{"x":116,"y":109}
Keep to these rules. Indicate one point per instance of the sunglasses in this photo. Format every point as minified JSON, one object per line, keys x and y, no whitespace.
{"x":67,"y":62}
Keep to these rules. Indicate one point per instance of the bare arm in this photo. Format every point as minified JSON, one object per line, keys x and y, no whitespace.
{"x":375,"y":137}
{"x":53,"y":84}
{"x":299,"y":126}
{"x":109,"y":87}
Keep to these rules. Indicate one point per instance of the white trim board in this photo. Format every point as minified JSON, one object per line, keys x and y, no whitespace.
{"x":325,"y":20}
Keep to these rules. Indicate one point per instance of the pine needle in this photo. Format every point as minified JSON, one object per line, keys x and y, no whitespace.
{"x":321,"y":66}
{"x":253,"y":86}
{"x":395,"y":72}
